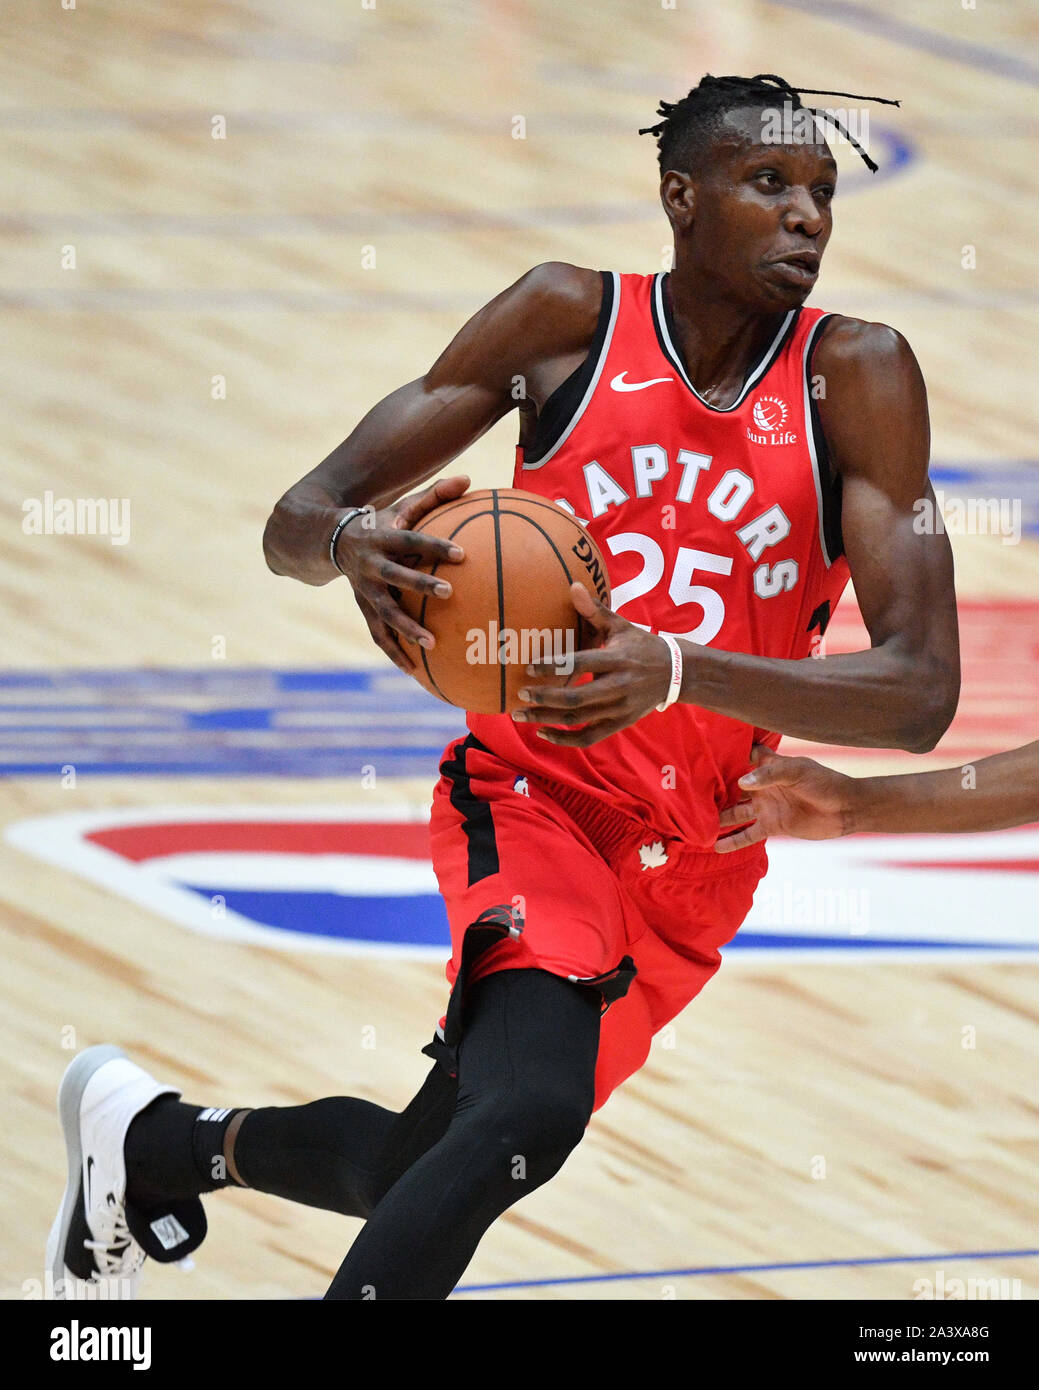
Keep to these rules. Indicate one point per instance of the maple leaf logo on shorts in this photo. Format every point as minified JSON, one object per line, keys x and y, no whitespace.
{"x":653,"y":856}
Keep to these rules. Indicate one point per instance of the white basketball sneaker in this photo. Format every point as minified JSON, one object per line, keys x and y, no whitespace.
{"x":97,"y":1246}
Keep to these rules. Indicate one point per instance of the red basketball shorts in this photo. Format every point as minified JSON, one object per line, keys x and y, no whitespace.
{"x":537,"y":876}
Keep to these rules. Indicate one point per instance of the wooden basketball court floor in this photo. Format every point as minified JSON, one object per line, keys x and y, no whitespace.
{"x":228,"y":229}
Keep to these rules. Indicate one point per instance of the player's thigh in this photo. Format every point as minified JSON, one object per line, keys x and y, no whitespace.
{"x":690,"y":911}
{"x":530,"y":1038}
{"x":523,"y":888}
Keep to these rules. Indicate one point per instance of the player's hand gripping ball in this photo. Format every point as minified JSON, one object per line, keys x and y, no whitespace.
{"x":626,"y":677}
{"x":511,"y":604}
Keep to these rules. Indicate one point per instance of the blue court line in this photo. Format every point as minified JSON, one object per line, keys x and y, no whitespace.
{"x":929,"y":41}
{"x":1009,"y":478}
{"x":750,"y":1269}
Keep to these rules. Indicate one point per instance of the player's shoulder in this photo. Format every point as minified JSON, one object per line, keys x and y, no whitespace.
{"x":853,"y":350}
{"x":555,"y":306}
{"x":562,"y":290}
{"x":560,"y":280}
{"x":872,"y":386}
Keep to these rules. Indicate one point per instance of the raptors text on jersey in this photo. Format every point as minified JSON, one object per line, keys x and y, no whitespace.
{"x":718,"y":525}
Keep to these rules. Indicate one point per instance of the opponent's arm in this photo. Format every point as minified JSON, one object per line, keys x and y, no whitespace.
{"x":901,"y":693}
{"x":800,"y":797}
{"x":544,"y":321}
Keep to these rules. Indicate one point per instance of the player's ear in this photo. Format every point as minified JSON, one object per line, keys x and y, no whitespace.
{"x":678,"y":196}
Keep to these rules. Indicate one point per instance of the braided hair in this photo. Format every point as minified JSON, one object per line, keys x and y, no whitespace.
{"x":689,"y":124}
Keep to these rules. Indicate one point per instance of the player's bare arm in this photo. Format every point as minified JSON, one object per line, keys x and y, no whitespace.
{"x":902,"y":692}
{"x":512,"y":354}
{"x":800,"y":797}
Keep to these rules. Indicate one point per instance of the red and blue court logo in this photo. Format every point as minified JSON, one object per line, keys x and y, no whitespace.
{"x":341,"y":878}
{"x":358,"y":878}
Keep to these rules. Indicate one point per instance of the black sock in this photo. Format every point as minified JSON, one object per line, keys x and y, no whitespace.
{"x":172,"y":1152}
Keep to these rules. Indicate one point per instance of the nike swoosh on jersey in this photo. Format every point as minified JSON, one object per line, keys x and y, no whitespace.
{"x":619,"y":384}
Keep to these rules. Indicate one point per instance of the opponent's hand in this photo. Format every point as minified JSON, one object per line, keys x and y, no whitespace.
{"x":788,"y":796}
{"x":375,"y":551}
{"x":630,"y":670}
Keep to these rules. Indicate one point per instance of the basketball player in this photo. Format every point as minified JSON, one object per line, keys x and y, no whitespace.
{"x":800,"y":797}
{"x":735,"y":455}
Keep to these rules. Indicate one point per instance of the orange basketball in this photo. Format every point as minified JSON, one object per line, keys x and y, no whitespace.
{"x":511,"y":601}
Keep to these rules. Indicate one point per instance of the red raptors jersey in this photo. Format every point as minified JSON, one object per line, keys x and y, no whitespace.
{"x":719,"y":525}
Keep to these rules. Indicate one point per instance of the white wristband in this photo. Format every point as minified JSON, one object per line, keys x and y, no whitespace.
{"x":675,"y":688}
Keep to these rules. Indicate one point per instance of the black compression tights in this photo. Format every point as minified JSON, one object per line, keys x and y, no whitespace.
{"x":432,"y":1179}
